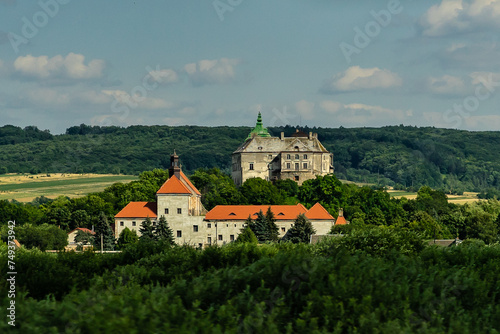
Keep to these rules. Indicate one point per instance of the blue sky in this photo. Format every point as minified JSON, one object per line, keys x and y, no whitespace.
{"x":218,"y":62}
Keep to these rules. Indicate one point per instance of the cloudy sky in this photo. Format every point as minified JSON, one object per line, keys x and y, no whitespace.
{"x":218,"y":62}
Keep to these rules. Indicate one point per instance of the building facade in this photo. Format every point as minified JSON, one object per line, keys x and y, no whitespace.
{"x":179,"y":202}
{"x":299,"y":157}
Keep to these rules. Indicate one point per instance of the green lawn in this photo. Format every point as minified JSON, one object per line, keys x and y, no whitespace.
{"x":71,"y":187}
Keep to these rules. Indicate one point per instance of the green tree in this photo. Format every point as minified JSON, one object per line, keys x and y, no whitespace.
{"x":258,"y":191}
{"x":164,"y":232}
{"x":272,"y":230}
{"x":103,"y":229}
{"x":264,"y":226}
{"x":127,"y":237}
{"x":83,"y":238}
{"x":327,"y":190}
{"x":216,"y":188}
{"x":147,"y":230}
{"x":301,"y":231}
{"x":247,"y":236}
{"x":79,"y":218}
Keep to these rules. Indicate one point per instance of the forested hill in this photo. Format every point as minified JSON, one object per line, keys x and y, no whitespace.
{"x":396,"y":155}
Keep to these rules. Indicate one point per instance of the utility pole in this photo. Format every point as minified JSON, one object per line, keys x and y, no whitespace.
{"x":102,"y":245}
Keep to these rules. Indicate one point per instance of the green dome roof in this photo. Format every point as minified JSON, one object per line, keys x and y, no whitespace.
{"x":259,"y":130}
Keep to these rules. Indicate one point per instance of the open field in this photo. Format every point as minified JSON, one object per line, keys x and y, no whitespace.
{"x":25,"y":188}
{"x":467,"y":197}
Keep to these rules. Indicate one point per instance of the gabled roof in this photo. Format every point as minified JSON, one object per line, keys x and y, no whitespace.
{"x":174,"y":185}
{"x":189,"y":184}
{"x":341,"y":221}
{"x":318,"y":212}
{"x":82,"y":229}
{"x":281,"y":212}
{"x":138,"y":210}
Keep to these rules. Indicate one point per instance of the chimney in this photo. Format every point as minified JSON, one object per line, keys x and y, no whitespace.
{"x":310,"y":135}
{"x":341,"y":212}
{"x":282,"y":136}
{"x":175,"y":168}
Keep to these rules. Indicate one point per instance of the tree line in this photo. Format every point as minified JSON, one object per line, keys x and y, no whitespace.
{"x":404,"y":157}
{"x":430,"y":214}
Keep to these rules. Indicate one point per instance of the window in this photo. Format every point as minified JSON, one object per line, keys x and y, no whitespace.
{"x":195,"y":228}
{"x":305,"y":165}
{"x":296,"y":178}
{"x":133,"y":223}
{"x":297,"y":157}
{"x":166,"y":211}
{"x":305,"y":156}
{"x":297,"y":166}
{"x":179,"y":234}
{"x":270,"y":157}
{"x":288,"y":165}
{"x":154,"y":223}
{"x":283,"y":229}
{"x":121,"y":223}
{"x":220,"y":236}
{"x":179,"y":211}
{"x":227,"y":225}
{"x":231,"y":237}
{"x":209,"y":240}
{"x":251,"y":166}
{"x":288,"y":156}
{"x":234,"y":225}
{"x":209,"y":225}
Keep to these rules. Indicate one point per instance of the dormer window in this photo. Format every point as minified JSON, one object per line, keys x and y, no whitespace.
{"x":232,"y":214}
{"x":281,"y":214}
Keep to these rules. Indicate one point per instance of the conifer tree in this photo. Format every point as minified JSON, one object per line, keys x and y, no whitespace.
{"x":247,"y":236}
{"x":164,"y":232}
{"x":272,"y":230}
{"x":102,"y":228}
{"x":259,"y":227}
{"x":301,"y":231}
{"x":147,"y":230}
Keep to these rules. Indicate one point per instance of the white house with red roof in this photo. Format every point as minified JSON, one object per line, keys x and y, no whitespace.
{"x":180,"y":202}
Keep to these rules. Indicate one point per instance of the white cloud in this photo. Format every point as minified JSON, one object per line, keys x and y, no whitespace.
{"x":71,"y":67}
{"x":446,"y":85}
{"x":356,"y":78}
{"x":305,"y":109}
{"x":48,"y":97}
{"x":164,"y":77}
{"x":138,"y":101}
{"x":457,"y":16}
{"x":217,"y":71}
{"x":358,"y":114}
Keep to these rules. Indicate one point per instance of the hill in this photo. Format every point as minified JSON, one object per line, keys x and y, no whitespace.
{"x":399,"y":156}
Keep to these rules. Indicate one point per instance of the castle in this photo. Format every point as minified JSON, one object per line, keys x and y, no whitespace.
{"x":180,"y":202}
{"x":300,"y":157}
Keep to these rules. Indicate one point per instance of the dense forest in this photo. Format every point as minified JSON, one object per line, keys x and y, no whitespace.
{"x":372,"y":281}
{"x":399,"y":156}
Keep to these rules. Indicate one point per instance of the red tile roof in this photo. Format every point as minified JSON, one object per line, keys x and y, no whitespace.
{"x":340,"y":221}
{"x":189,"y":184}
{"x":138,"y":210}
{"x":318,"y":212}
{"x":82,"y":229}
{"x":174,"y":186}
{"x":281,"y":212}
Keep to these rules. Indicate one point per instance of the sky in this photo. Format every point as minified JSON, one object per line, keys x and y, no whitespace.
{"x":318,"y":63}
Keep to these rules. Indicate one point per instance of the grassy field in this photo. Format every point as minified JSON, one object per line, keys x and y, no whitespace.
{"x":467,"y":197}
{"x":25,"y":188}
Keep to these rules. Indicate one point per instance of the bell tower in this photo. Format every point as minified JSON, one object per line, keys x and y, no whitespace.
{"x":175,"y":168}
